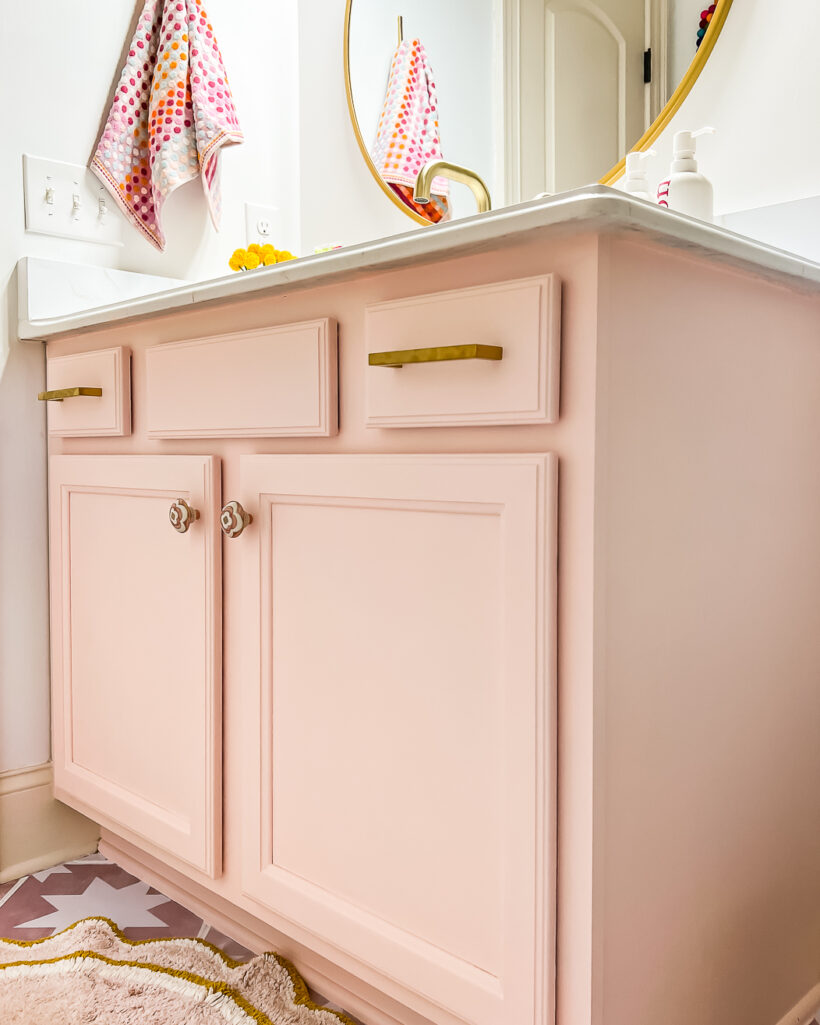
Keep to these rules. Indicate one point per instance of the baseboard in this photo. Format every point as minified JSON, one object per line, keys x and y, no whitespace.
{"x":805,"y":1011}
{"x":37,"y":831}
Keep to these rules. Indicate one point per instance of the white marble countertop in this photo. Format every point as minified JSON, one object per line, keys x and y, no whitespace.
{"x":593,"y":209}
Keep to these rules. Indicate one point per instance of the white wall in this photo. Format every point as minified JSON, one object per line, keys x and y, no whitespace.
{"x":458,"y":38}
{"x":758,"y":89}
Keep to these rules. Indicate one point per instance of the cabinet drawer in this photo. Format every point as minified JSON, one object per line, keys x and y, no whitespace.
{"x":270,"y":383}
{"x":106,"y":415}
{"x":521,"y":317}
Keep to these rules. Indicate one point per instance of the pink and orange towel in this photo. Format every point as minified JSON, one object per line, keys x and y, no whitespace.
{"x":171,"y":116}
{"x":408,"y":133}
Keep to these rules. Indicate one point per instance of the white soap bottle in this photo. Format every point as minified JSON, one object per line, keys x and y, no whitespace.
{"x":689,"y":191}
{"x":635,"y":180}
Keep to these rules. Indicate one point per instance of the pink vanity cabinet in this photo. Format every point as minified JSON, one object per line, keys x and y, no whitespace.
{"x":479,"y":688}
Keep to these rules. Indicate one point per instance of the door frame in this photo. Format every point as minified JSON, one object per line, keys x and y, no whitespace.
{"x":508,"y":118}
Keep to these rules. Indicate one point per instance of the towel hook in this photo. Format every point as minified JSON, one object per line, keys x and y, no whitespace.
{"x":401,"y":30}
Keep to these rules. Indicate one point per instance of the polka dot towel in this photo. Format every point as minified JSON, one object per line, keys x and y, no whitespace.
{"x":408,"y":135}
{"x":171,"y":115}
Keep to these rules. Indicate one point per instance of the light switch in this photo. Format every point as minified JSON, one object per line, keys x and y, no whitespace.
{"x":68,"y":201}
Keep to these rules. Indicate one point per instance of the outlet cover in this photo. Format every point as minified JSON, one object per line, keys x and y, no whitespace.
{"x":263,"y":224}
{"x":64,"y":200}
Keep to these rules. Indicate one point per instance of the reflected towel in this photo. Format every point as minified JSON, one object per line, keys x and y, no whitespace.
{"x":408,"y":134}
{"x":172,"y":114}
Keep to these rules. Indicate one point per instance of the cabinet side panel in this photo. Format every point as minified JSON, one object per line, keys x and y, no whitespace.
{"x":710,"y":574}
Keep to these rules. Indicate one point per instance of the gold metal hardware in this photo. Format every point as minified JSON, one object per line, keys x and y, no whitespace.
{"x":456,"y":173}
{"x":182,"y":516}
{"x":401,"y":30}
{"x":234,"y":519}
{"x":67,"y":393}
{"x":436,"y":355}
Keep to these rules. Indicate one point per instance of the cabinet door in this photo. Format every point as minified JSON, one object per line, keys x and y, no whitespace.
{"x":399,"y":768}
{"x":136,"y":649}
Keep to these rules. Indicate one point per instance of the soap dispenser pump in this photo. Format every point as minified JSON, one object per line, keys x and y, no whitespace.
{"x":689,"y":191}
{"x":635,"y":180}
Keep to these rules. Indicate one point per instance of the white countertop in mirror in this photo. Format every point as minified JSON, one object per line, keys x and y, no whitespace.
{"x":596,"y":209}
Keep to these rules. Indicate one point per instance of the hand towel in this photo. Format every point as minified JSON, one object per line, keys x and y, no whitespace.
{"x":408,"y":133}
{"x":172,"y":114}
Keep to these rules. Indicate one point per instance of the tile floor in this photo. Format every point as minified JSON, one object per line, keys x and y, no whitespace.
{"x":46,"y":902}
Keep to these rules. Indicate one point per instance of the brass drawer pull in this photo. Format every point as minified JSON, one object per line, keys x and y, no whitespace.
{"x":436,"y":355}
{"x":67,"y":393}
{"x":234,"y":519}
{"x":182,"y":516}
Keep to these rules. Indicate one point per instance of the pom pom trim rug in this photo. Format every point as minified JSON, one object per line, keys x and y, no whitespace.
{"x":92,"y":972}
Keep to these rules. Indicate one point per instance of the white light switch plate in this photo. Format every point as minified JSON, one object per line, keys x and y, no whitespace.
{"x":59,"y":217}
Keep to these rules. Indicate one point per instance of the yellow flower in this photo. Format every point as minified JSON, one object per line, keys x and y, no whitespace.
{"x":257,"y":256}
{"x":237,"y":261}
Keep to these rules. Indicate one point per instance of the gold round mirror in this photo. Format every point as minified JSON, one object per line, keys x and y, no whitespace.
{"x":513,"y":81}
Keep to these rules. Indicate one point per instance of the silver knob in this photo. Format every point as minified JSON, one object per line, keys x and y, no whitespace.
{"x":234,"y":519}
{"x":182,"y":516}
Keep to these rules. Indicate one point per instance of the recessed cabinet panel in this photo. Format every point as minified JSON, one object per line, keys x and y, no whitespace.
{"x":272,"y":383}
{"x":136,"y":661}
{"x":91,"y":416}
{"x":399,"y":637}
{"x":487,"y":355}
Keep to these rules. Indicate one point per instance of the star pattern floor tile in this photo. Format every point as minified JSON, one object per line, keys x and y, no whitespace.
{"x":46,"y":902}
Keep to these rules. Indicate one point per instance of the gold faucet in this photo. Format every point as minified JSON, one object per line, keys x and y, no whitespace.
{"x":424,"y":182}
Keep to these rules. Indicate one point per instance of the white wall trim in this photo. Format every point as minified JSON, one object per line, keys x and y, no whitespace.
{"x":15,"y":780}
{"x":657,"y":39}
{"x":507,"y":112}
{"x":803,"y":1013}
{"x":37,"y":831}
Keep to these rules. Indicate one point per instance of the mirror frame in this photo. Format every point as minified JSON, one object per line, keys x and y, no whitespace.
{"x":645,"y":142}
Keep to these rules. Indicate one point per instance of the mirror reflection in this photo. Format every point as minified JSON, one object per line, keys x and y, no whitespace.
{"x":531,"y":96}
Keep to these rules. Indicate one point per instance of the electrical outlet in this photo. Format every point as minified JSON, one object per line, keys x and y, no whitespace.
{"x":68,"y":201}
{"x":263,"y":224}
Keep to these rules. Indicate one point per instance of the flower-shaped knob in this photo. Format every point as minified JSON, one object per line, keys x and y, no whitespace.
{"x":234,"y":519}
{"x":182,"y":516}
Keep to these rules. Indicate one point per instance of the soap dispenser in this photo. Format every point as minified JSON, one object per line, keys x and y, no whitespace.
{"x":689,"y":192}
{"x":635,"y":180}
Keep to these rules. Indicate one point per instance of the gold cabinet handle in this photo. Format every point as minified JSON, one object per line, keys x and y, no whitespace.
{"x":234,"y":519}
{"x":436,"y":355}
{"x":182,"y":516}
{"x":67,"y":393}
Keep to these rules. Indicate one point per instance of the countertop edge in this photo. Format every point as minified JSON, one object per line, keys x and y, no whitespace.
{"x":598,"y":209}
